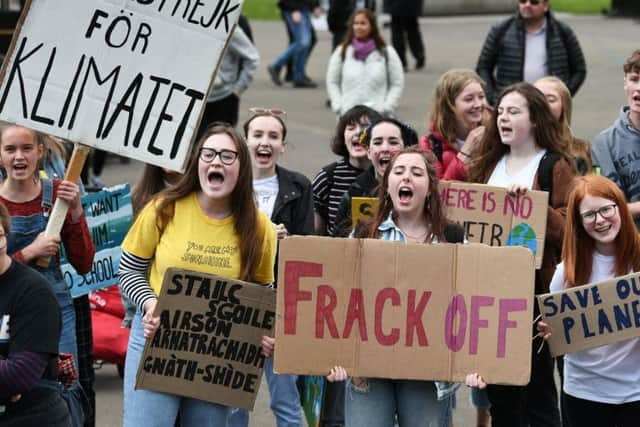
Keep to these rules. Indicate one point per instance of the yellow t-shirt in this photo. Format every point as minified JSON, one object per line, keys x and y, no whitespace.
{"x":193,"y":241}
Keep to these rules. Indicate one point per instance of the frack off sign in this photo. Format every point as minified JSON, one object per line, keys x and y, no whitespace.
{"x":126,"y":76}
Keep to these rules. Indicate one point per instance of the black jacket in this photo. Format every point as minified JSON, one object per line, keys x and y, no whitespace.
{"x":404,"y":7}
{"x":291,"y":5}
{"x":294,"y":204}
{"x":365,"y":185}
{"x":503,"y":53}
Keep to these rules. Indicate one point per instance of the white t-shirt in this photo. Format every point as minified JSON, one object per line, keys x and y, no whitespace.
{"x":500,"y":177}
{"x":266,"y":192}
{"x":606,"y":374}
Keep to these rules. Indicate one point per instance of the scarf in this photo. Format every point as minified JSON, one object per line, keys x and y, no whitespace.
{"x":362,"y":49}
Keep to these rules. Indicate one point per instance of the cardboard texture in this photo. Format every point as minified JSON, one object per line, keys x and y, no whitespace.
{"x":405,"y":311}
{"x":208,"y":344}
{"x":592,"y":315}
{"x":129,"y":77}
{"x":489,"y":215}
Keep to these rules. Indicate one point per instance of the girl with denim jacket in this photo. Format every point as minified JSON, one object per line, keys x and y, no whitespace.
{"x":409,"y":211}
{"x":29,"y":200}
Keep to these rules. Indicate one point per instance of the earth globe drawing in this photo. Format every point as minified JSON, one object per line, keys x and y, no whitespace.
{"x":523,"y":235}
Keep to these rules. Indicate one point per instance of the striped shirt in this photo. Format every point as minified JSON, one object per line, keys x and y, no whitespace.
{"x":328,"y":190}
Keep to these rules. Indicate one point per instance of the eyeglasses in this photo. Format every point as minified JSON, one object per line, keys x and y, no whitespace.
{"x":605,"y":212}
{"x":531,"y":2}
{"x":227,"y":157}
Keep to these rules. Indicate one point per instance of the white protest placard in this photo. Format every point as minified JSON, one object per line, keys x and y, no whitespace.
{"x":126,"y":76}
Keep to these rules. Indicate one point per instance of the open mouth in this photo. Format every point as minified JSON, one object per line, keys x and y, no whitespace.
{"x":215,"y":178}
{"x":505,"y":130}
{"x":20,"y":167}
{"x":405,"y":194}
{"x":264,"y":154}
{"x":636,"y":98}
{"x":384,"y":160}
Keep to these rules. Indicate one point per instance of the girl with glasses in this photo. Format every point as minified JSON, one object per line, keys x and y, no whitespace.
{"x":602,"y":384}
{"x":211,"y":204}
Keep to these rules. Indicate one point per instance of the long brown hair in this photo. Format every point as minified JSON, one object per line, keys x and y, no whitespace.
{"x":578,"y":246}
{"x":150,"y":184}
{"x":243,"y":206}
{"x":375,"y":31}
{"x":547,"y":133}
{"x":443,"y":115}
{"x":432,"y":211}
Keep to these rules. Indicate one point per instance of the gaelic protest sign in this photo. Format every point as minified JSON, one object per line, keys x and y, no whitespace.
{"x":489,"y":215}
{"x":129,"y":77}
{"x":109,"y":215}
{"x":592,"y":315}
{"x":208,"y":344}
{"x":405,"y":311}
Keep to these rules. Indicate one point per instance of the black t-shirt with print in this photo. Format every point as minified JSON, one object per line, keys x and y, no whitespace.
{"x":29,"y":315}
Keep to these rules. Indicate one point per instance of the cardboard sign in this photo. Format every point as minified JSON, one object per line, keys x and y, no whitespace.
{"x":363,"y":209}
{"x":489,"y":215}
{"x":405,"y":311}
{"x":592,"y":315}
{"x":109,"y":215}
{"x":208,"y":344}
{"x":129,"y":77}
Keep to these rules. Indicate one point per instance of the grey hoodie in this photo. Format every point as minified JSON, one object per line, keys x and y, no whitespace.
{"x":237,"y":69}
{"x":616,"y":152}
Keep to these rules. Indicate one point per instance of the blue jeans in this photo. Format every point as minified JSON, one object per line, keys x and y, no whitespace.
{"x":299,"y":47}
{"x":154,"y":409}
{"x":377,"y":402}
{"x":285,"y":401}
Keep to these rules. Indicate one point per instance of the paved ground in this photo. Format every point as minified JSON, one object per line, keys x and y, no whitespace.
{"x":451,"y":42}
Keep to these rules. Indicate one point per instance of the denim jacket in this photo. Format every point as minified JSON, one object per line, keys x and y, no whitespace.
{"x":390,"y":231}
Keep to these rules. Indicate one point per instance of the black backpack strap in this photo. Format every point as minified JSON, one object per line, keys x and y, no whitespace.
{"x":436,"y":146}
{"x":545,"y":171}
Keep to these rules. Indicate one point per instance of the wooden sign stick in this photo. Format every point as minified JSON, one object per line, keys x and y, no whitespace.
{"x":61,"y":207}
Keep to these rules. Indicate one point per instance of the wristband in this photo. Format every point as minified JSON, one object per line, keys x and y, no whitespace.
{"x":464,"y":154}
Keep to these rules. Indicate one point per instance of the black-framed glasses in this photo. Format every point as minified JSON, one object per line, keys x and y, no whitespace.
{"x":532,"y":2}
{"x":608,"y":211}
{"x":227,"y":157}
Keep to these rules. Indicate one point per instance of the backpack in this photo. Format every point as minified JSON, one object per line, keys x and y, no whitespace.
{"x":545,"y":171}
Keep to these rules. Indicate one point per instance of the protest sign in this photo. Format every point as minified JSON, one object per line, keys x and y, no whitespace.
{"x":363,"y":209}
{"x":592,"y":315}
{"x":208,"y":344}
{"x":405,"y":311}
{"x":489,"y":215}
{"x":129,"y":77}
{"x":109,"y":215}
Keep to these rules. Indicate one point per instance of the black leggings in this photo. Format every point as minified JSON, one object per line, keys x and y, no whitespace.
{"x":581,"y":412}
